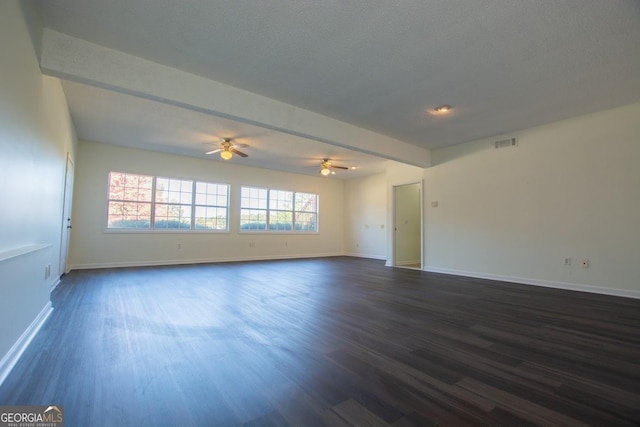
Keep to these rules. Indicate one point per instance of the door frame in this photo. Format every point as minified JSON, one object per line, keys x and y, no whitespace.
{"x":67,"y":199}
{"x":394,"y":233}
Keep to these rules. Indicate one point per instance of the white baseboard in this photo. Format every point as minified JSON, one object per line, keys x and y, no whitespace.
{"x":13,"y":355}
{"x":54,"y":284}
{"x":626,"y":293}
{"x":199,"y":261}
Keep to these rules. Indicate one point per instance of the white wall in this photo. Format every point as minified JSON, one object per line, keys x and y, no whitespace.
{"x":369,"y":211}
{"x":569,"y":189}
{"x":92,"y":246}
{"x":35,"y":135}
{"x":366,"y":217}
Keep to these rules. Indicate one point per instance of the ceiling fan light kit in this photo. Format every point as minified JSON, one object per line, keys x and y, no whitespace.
{"x":226,"y":154}
{"x":227,"y":149}
{"x":326,"y":166}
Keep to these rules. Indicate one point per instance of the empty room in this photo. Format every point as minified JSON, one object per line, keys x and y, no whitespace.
{"x":298,"y":213}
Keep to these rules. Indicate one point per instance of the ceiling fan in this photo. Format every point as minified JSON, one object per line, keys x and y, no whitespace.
{"x":228,"y":149}
{"x":326,"y":166}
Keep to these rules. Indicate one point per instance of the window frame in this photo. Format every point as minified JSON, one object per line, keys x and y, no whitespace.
{"x":124,"y":200}
{"x":168,"y":204}
{"x":269,"y":211}
{"x":153,"y":202}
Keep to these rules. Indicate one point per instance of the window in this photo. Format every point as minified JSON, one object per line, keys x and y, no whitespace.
{"x":276,"y":210}
{"x":174,"y":204}
{"x":174,"y":199}
{"x":280,"y":210}
{"x":212,"y":204}
{"x":253,"y":208}
{"x":306,"y":212}
{"x":129,"y":201}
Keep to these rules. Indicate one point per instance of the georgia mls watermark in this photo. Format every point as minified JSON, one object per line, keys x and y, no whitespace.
{"x":31,"y":416}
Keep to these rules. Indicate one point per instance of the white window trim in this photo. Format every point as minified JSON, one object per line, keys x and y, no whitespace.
{"x":152,"y":229}
{"x":268,"y":210}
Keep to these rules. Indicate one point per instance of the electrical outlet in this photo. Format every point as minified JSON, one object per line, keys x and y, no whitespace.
{"x":585,"y":263}
{"x":567,"y":261}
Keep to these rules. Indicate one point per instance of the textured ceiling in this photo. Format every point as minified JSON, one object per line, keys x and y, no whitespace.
{"x":130,"y":121}
{"x":504,"y":65}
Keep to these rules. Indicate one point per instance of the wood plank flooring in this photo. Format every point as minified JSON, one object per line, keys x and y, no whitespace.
{"x":331,"y":341}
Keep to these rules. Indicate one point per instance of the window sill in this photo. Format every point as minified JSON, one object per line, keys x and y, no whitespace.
{"x":161,"y":231}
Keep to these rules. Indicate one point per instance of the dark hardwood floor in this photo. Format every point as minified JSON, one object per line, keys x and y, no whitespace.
{"x":332,"y":341}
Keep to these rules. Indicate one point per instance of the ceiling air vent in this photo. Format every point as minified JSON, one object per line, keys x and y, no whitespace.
{"x":504,"y":143}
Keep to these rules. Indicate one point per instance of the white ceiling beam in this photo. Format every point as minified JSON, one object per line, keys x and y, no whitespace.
{"x":75,"y":59}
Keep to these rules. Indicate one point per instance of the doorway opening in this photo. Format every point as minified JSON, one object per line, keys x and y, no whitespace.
{"x":407,"y":236}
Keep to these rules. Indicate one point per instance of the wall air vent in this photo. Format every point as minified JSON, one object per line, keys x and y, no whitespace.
{"x":504,"y":143}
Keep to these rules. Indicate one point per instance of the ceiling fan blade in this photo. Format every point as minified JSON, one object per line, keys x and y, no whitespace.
{"x":239,"y":153}
{"x":214,"y":151}
{"x":337,"y":167}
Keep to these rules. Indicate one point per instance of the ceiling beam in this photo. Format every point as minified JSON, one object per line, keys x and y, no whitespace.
{"x":74,"y":59}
